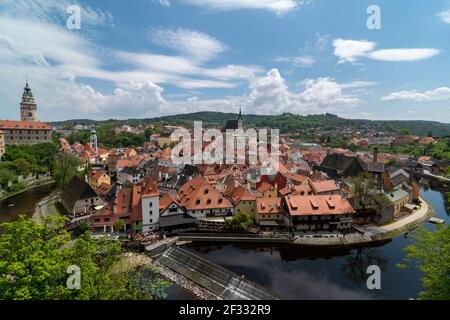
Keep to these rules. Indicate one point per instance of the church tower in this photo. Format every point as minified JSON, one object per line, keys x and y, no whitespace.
{"x":28,"y":107}
{"x":93,"y":140}
{"x":240,"y":122}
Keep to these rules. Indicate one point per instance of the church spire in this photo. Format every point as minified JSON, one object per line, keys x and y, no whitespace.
{"x":240,"y":114}
{"x":28,"y":106}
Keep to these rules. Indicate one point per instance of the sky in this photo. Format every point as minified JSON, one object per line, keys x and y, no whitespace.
{"x":147,"y":58}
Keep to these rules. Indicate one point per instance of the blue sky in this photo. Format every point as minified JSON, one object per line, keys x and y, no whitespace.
{"x":146,"y":58}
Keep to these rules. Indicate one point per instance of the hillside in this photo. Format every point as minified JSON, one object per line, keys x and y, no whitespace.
{"x":286,"y":122}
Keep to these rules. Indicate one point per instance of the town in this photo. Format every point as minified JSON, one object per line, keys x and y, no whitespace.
{"x":315,"y":191}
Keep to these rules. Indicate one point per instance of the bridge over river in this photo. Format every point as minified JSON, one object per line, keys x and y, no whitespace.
{"x":221,"y":282}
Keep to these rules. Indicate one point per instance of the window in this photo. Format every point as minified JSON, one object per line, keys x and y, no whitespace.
{"x":151,"y":204}
{"x":151,"y":220}
{"x":106,"y":219}
{"x":151,"y":212}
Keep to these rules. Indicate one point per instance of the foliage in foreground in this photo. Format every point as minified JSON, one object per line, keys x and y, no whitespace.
{"x":34,"y":259}
{"x":431,"y":253}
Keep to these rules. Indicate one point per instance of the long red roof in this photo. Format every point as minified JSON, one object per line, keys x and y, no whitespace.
{"x":24,"y":125}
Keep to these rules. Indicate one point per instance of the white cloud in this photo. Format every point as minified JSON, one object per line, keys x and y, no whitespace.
{"x":352,"y":50}
{"x":278,"y":6}
{"x":271,"y":95}
{"x":53,"y":11}
{"x":403,"y":54}
{"x":445,"y":16}
{"x":442,"y":93}
{"x":301,"y":61}
{"x":164,"y":3}
{"x":192,"y":43}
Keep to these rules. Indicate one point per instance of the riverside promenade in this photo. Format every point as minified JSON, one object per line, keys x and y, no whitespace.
{"x":363,"y":235}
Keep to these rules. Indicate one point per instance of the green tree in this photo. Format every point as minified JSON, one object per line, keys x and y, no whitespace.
{"x":6,"y":176}
{"x":404,"y":132}
{"x":65,"y":168}
{"x":365,"y":194}
{"x":119,"y":225}
{"x":23,"y":167}
{"x":35,"y":259}
{"x":240,"y":222}
{"x":431,"y":253}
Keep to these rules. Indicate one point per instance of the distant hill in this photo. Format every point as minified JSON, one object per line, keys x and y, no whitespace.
{"x":286,"y":122}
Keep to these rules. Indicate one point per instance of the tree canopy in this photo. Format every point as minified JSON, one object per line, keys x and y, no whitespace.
{"x":431,"y":254}
{"x":35,"y":259}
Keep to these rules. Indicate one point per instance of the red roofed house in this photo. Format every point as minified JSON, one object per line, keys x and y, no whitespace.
{"x":270,"y":213}
{"x":150,"y":206}
{"x":97,"y":177}
{"x":25,"y":132}
{"x":266,"y":190}
{"x":330,"y":213}
{"x":138,"y":207}
{"x":326,"y":187}
{"x":200,"y":199}
{"x":242,"y":199}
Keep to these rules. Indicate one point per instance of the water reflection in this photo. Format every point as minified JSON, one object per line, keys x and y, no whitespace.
{"x":318,"y":273}
{"x":355,"y":267}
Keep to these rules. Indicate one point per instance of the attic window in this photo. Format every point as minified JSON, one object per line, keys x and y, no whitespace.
{"x":314,"y":204}
{"x":331,"y":204}
{"x":208,"y":201}
{"x":197,"y":202}
{"x":220,"y":201}
{"x":206,"y":191}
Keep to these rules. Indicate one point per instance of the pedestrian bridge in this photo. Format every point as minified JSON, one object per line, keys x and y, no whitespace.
{"x":223,"y":283}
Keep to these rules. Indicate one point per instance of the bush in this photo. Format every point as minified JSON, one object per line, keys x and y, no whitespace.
{"x":240,"y":222}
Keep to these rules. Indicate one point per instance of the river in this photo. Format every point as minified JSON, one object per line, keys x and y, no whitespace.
{"x":293,"y":272}
{"x":297,"y":273}
{"x":23,"y":203}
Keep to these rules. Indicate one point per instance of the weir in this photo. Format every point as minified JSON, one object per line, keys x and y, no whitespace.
{"x":224,"y":283}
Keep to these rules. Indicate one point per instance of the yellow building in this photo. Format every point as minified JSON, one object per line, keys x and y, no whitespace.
{"x":399,"y":199}
{"x":266,"y":190}
{"x":96,"y":178}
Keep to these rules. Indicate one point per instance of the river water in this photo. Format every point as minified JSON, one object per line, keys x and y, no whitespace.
{"x":23,"y":203}
{"x":297,"y":273}
{"x":293,"y":272}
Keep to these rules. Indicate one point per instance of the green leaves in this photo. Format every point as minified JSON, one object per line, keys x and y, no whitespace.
{"x":240,"y":222}
{"x":34,"y":260}
{"x":431,"y":253}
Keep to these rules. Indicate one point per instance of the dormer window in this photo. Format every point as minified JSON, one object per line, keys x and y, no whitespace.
{"x":197,"y":202}
{"x":208,"y":201}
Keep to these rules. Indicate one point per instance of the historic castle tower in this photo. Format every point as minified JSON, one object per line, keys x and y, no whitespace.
{"x":28,"y":107}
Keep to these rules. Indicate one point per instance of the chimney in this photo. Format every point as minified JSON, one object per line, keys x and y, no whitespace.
{"x":375,"y":155}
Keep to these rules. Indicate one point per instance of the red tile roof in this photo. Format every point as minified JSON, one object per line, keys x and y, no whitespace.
{"x":317,"y":205}
{"x":24,"y":125}
{"x":167,"y":200}
{"x":269,"y":206}
{"x":149,"y":189}
{"x":323,"y":186}
{"x":197,"y":194}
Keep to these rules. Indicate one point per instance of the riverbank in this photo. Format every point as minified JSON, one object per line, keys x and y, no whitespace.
{"x":47,"y":207}
{"x":33,"y":184}
{"x":369,"y":235}
{"x":364,"y":235}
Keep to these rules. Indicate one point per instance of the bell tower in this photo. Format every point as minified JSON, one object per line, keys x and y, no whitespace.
{"x":93,"y":140}
{"x":28,"y":107}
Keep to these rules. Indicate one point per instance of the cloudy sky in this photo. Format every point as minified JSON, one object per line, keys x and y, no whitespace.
{"x":145,"y":58}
